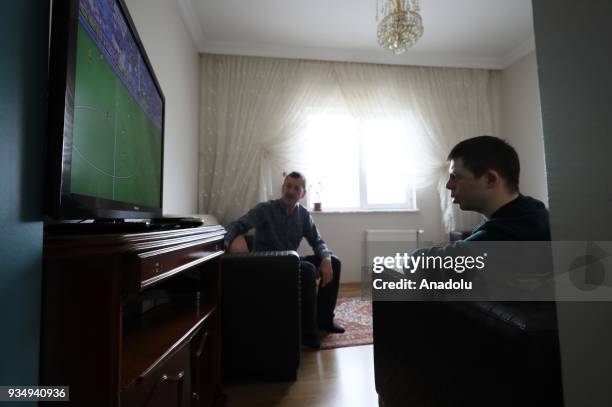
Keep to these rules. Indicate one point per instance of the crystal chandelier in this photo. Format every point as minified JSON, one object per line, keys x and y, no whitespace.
{"x":401,"y":25}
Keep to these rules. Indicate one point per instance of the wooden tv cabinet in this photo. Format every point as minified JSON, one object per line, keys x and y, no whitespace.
{"x":133,"y":319}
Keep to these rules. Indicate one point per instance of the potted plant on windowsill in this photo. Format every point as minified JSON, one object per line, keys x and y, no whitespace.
{"x":318,"y":189}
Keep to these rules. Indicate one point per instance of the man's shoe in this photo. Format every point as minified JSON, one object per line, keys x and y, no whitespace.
{"x":311,"y":341}
{"x":332,"y":328}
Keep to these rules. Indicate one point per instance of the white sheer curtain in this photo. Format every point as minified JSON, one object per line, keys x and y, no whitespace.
{"x":437,"y":107}
{"x":253,"y":111}
{"x":373,"y":99}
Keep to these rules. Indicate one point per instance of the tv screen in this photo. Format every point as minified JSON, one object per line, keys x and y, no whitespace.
{"x":106,"y":116}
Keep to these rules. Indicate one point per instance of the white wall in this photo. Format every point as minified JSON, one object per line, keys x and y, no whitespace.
{"x":344,"y":232}
{"x":521,"y":123}
{"x":175,"y":60}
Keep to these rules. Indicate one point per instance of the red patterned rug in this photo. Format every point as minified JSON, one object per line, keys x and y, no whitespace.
{"x":355,"y":315}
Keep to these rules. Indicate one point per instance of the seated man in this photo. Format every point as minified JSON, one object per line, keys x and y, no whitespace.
{"x":281,"y":224}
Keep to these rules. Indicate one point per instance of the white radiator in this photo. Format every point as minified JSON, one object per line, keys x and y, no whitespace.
{"x":387,"y":242}
{"x":393,"y":235}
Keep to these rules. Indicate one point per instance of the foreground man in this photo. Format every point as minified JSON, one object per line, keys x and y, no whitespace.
{"x":281,"y":224}
{"x":484,"y":177}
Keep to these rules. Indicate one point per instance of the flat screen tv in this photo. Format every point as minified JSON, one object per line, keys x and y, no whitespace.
{"x":106,"y":116}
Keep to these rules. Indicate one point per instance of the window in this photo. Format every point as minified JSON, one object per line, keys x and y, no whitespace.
{"x":358,"y":164}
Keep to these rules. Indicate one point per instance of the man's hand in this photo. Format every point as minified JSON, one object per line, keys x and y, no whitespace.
{"x":239,"y":245}
{"x":327,"y":273}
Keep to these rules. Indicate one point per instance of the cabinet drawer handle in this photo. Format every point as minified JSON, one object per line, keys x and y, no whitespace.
{"x":176,"y":378}
{"x":164,"y":378}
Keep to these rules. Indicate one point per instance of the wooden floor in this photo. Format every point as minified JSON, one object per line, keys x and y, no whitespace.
{"x":327,"y":378}
{"x":342,"y":377}
{"x":350,"y":290}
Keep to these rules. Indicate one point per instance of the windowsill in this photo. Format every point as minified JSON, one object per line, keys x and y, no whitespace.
{"x":351,"y":211}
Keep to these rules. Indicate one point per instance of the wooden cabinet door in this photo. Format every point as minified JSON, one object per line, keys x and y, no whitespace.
{"x":167,"y":385}
{"x":205,"y":373}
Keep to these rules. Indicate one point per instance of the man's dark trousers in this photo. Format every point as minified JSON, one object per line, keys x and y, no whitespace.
{"x":317,"y":307}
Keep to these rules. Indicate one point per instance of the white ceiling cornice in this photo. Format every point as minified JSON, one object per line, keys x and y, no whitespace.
{"x":414,"y":58}
{"x":345,"y":55}
{"x":518,"y":53}
{"x":192,"y":21}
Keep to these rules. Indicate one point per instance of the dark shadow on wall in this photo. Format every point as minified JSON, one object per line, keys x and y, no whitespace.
{"x":573,"y":45}
{"x":23,"y":77}
{"x":32,"y":111}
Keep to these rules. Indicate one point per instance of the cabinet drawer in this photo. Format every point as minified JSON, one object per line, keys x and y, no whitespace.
{"x":168,"y":384}
{"x":154,"y":266}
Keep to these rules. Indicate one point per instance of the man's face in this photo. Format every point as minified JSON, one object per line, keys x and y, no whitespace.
{"x":293,"y":190}
{"x":466,"y":190}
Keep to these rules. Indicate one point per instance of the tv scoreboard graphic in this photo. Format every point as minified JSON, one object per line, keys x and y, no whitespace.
{"x":107,"y":28}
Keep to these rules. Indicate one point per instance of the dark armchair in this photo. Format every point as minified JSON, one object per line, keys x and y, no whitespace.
{"x":467,"y":353}
{"x":261,"y":337}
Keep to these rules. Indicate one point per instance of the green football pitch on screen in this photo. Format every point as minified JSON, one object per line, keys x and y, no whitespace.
{"x":116,"y":152}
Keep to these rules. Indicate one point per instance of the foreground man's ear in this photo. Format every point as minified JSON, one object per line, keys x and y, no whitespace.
{"x":492,"y":177}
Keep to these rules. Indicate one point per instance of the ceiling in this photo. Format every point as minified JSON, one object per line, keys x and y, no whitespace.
{"x":459,"y":33}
